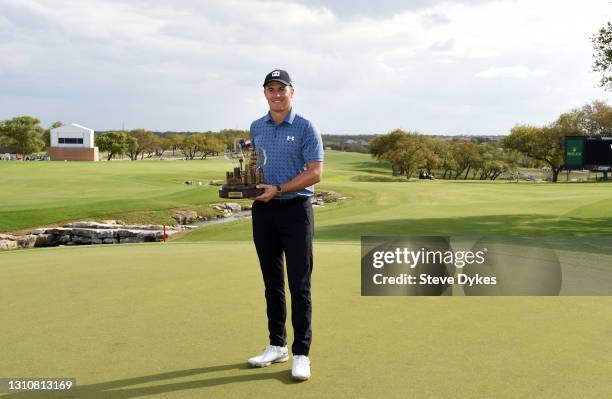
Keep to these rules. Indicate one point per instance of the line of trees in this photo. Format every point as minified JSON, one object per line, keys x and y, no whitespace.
{"x":411,"y":152}
{"x":546,"y":143}
{"x":24,"y":135}
{"x":525,"y":146}
{"x":140,"y":143}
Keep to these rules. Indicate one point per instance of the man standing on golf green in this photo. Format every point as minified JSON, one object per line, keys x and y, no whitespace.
{"x":283,"y":221}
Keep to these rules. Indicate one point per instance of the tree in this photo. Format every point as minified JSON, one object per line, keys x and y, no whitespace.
{"x":380,"y":145}
{"x":173,"y":141}
{"x":132,"y":148}
{"x":164,"y":145}
{"x":408,"y":153}
{"x":602,"y":45}
{"x":23,"y":133}
{"x":593,"y":119}
{"x":544,"y":144}
{"x":190,"y":146}
{"x":211,"y":144}
{"x":448,"y":163}
{"x":115,"y":143}
{"x":144,"y":142}
{"x":466,"y":156}
{"x":151,"y":144}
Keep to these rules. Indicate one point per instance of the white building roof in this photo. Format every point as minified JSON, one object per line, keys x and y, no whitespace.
{"x":73,"y":127}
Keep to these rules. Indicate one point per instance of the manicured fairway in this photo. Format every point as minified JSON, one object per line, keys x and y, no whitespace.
{"x":179,"y":320}
{"x":43,"y":193}
{"x":40,"y":193}
{"x":443,"y":207}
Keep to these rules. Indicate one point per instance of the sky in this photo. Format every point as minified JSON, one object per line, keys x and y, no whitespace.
{"x":359,"y":67}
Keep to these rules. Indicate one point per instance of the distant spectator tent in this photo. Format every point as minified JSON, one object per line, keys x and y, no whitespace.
{"x":72,"y":143}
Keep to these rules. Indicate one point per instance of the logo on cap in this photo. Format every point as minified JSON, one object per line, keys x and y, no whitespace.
{"x":275,"y":74}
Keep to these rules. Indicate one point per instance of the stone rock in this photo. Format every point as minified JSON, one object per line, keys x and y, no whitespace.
{"x":216,"y":182}
{"x":37,"y":231}
{"x":6,"y":244}
{"x":46,"y":240}
{"x":153,"y":236}
{"x":84,"y":233}
{"x":89,"y":233}
{"x":65,"y":239}
{"x":234,"y":207}
{"x":125,"y":233}
{"x":324,"y":194}
{"x":27,"y":241}
{"x":81,"y":240}
{"x":58,"y":231}
{"x":113,"y":222}
{"x":129,"y":240}
{"x":185,"y":216}
{"x":227,"y":207}
{"x":101,"y":234}
{"x":82,"y":225}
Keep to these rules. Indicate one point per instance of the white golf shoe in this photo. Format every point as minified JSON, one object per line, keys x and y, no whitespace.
{"x":300,"y":369}
{"x":272,"y":354}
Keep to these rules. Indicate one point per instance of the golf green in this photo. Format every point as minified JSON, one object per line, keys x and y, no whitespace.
{"x":180,"y":319}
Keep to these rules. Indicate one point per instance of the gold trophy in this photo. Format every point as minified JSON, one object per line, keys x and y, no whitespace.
{"x":243,"y":180}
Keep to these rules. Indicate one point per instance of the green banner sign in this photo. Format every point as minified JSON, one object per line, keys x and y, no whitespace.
{"x":574,"y":151}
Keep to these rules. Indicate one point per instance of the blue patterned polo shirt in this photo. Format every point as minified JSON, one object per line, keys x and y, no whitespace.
{"x":288,"y":146}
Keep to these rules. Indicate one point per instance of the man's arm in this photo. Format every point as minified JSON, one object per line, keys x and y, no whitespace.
{"x":312,"y":175}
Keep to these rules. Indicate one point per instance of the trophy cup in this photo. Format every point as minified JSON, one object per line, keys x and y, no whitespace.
{"x":243,"y":180}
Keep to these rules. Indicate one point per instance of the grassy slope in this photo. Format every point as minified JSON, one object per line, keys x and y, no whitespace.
{"x":442,"y":207}
{"x":178,"y":320}
{"x":48,"y":192}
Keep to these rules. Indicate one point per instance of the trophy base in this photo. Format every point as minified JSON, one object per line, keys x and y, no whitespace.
{"x":239,"y":191}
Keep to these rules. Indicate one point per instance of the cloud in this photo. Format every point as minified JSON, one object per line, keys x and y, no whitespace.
{"x":347,"y":9}
{"x":446,"y":45}
{"x":359,"y":66}
{"x":435,"y":19}
{"x":519,"y":72}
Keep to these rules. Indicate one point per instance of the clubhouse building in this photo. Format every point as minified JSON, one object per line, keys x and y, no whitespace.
{"x":72,"y":143}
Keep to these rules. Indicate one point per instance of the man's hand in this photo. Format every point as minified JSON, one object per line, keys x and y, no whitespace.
{"x":269,"y":193}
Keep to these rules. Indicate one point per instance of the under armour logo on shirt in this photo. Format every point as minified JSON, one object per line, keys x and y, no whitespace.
{"x":292,"y":138}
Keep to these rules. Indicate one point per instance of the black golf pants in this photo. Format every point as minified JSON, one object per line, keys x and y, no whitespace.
{"x":286,"y":227}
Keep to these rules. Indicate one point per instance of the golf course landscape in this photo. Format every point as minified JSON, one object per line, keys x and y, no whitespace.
{"x":179,"y":319}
